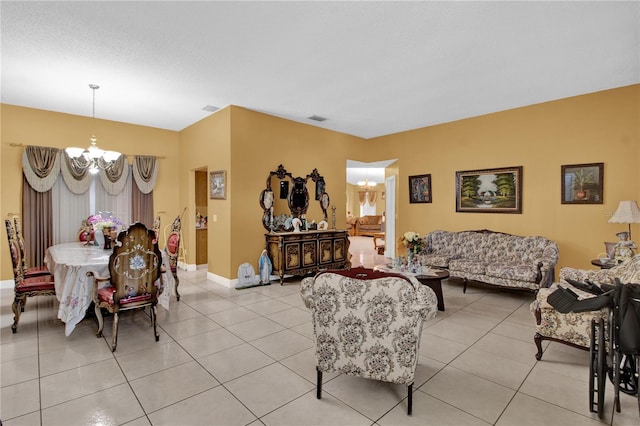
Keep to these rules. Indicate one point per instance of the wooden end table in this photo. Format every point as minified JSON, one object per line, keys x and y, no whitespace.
{"x":434,"y":282}
{"x":608,"y":265}
{"x":378,"y":247}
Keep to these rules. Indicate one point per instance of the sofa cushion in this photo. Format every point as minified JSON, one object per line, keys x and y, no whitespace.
{"x":469,"y":265}
{"x":520,"y":272}
{"x":370,"y":220}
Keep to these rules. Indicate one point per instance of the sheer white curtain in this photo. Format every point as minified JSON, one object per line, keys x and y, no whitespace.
{"x":119,"y":205}
{"x":69,"y":210}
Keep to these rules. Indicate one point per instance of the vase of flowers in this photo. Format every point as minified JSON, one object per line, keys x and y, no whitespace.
{"x":414,"y":244}
{"x":104,"y":225}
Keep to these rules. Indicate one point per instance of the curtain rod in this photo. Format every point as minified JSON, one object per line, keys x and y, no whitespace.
{"x":20,"y":145}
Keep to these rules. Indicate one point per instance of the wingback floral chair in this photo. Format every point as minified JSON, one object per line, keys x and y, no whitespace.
{"x":368,"y":324}
{"x":574,"y":328}
{"x":134,"y":268}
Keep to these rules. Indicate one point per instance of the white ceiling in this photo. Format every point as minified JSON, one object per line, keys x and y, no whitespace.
{"x":370,"y":68}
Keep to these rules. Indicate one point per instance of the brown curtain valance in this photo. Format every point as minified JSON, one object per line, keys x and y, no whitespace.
{"x":76,"y":177}
{"x":371,"y":197}
{"x":114,"y":179}
{"x":41,"y":166}
{"x":145,"y":172}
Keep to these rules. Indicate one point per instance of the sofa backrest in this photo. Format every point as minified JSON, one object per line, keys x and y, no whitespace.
{"x":492,"y":246}
{"x":370,"y":220}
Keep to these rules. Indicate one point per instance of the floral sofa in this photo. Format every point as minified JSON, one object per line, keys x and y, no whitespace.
{"x":493,"y":257}
{"x":368,"y":225}
{"x":574,"y":328}
{"x":368,"y":323}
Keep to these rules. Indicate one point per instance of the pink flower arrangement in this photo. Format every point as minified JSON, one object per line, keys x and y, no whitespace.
{"x":104,"y":220}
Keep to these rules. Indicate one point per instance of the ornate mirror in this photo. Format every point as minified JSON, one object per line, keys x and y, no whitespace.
{"x":286,"y":197}
{"x":299,"y":197}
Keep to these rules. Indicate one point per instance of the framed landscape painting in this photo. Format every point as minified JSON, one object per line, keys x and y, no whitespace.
{"x":489,"y":190}
{"x":419,"y":189}
{"x":582,"y":183}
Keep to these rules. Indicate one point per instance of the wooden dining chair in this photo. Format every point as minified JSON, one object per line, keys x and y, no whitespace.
{"x":43,"y":285}
{"x":156,"y":227}
{"x":29,"y":271}
{"x":172,"y":249}
{"x":134,"y":267}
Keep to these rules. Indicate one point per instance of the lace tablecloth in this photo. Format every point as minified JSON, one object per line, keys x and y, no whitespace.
{"x":69,"y":264}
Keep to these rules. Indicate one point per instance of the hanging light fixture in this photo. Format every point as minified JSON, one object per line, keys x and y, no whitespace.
{"x":366,"y":184}
{"x":92,"y":158}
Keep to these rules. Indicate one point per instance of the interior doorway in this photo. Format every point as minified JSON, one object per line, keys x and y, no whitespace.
{"x":201,"y":219}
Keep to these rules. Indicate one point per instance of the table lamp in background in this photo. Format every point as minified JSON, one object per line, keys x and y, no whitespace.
{"x":627,"y":212}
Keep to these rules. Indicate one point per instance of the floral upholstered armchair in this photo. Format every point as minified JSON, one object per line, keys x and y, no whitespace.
{"x":368,"y":324}
{"x":574,"y":328}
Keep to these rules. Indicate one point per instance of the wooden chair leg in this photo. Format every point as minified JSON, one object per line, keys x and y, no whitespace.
{"x":319,"y":383}
{"x":98,"y":313}
{"x":410,"y":399}
{"x":538,"y":341}
{"x":154,"y":318}
{"x":175,"y":278}
{"x":114,"y":342}
{"x":464,"y":287}
{"x":17,"y":307}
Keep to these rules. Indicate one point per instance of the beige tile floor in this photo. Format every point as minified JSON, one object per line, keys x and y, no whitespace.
{"x":245,"y":357}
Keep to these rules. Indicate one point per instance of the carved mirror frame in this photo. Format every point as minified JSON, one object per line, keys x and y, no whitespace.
{"x":297,"y":197}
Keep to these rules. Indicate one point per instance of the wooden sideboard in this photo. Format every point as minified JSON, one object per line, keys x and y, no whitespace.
{"x":307,"y":252}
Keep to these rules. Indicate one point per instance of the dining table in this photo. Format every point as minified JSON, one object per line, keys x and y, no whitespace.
{"x":69,"y":264}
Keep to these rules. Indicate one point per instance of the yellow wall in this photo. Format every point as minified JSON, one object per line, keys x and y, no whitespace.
{"x":44,"y":128}
{"x":259,"y":143}
{"x":594,"y":128}
{"x":599,"y":127}
{"x":206,"y":145}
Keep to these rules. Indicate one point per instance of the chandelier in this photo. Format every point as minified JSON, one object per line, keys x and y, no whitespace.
{"x":366,"y":184}
{"x":92,"y":158}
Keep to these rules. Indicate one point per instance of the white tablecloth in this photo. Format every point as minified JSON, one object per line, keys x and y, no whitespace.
{"x":69,"y":264}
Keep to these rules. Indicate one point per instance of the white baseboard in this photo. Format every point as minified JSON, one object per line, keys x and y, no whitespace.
{"x":6,"y":284}
{"x":222,"y":280}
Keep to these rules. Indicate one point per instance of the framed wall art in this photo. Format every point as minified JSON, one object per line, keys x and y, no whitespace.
{"x":489,"y":190}
{"x":420,"y":189}
{"x":582,"y":183}
{"x":218,"y":185}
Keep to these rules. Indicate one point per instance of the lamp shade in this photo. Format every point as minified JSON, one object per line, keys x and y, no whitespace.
{"x":627,"y":212}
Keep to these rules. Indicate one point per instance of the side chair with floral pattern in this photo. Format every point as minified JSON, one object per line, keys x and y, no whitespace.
{"x":368,"y":324}
{"x":574,"y":328}
{"x":134,"y":268}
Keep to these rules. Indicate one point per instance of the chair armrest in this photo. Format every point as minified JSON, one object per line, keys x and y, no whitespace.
{"x":602,"y":276}
{"x":306,"y":291}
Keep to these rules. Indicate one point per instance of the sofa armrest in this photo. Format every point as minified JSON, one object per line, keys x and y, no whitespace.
{"x":306,"y":291}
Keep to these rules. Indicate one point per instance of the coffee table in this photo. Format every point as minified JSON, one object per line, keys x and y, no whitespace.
{"x":433,"y":280}
{"x":435,"y":283}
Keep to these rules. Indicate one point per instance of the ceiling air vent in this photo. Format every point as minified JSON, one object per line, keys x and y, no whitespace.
{"x":316,"y":118}
{"x":210,"y":108}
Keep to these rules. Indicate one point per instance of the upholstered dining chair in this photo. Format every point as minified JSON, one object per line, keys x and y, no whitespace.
{"x":368,"y":324}
{"x":134,"y":267}
{"x":41,"y":285}
{"x":29,"y":271}
{"x":172,"y":249}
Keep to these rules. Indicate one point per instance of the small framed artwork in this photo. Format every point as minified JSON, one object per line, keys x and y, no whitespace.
{"x":582,"y":183}
{"x":218,"y":185}
{"x":420,"y":189}
{"x":489,"y":190}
